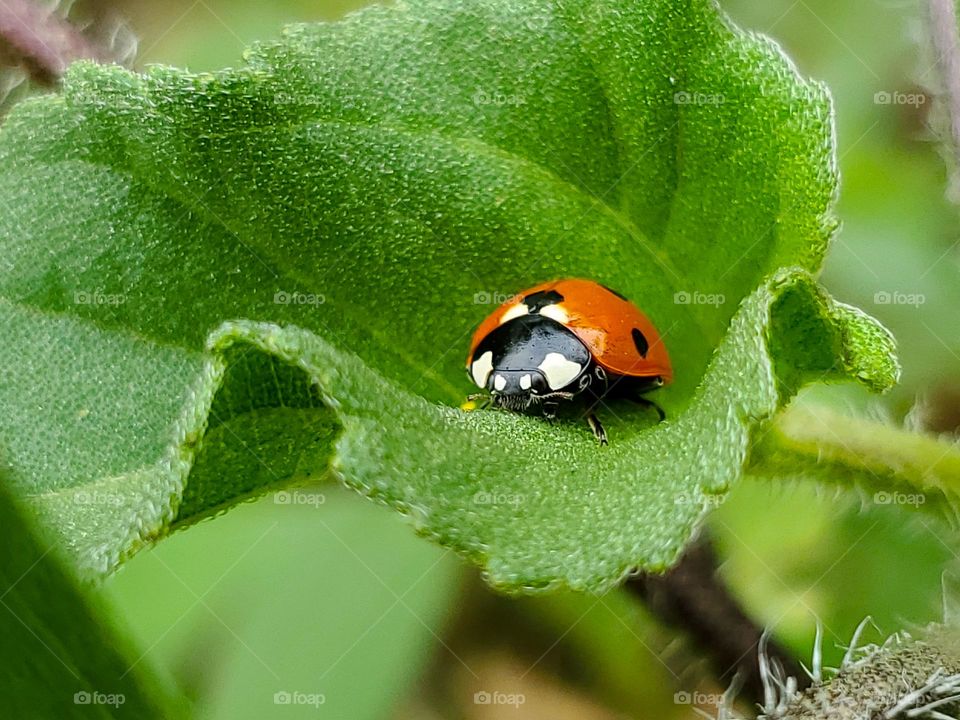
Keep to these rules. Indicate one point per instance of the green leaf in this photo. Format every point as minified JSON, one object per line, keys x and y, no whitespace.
{"x":60,"y":658}
{"x":224,"y":282}
{"x":348,"y":611}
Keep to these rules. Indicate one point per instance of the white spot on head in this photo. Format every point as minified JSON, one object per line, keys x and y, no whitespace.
{"x":525,"y":382}
{"x":499,"y":382}
{"x":481,"y":369}
{"x":516,"y":311}
{"x":555,"y":312}
{"x":559,"y":371}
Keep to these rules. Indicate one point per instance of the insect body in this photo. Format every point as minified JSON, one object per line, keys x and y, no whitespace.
{"x":563,"y":340}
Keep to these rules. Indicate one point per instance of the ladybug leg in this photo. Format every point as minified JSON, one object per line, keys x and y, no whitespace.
{"x":597,"y":428}
{"x":601,"y":381}
{"x":646,"y":402}
{"x":550,"y":410}
{"x":484,"y":399}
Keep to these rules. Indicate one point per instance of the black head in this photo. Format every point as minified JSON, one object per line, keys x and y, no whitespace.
{"x":529,"y":359}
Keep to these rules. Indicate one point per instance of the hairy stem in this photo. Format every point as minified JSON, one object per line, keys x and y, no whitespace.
{"x":915,"y":679}
{"x":692,"y":597}
{"x":895,"y":465}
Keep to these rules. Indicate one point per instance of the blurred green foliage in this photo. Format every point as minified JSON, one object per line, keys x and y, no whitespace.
{"x":795,"y":552}
{"x":899,"y":233}
{"x":306,"y":591}
{"x":357,"y":159}
{"x":791,"y":552}
{"x":60,"y":657}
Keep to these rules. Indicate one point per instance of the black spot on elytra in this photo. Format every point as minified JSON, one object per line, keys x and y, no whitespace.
{"x":539,"y":300}
{"x":640,"y":341}
{"x":619,"y":295}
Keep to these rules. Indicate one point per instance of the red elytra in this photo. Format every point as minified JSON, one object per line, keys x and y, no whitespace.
{"x":604,"y":321}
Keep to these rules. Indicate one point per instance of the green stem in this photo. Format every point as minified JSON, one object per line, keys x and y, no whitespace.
{"x":895,"y":465}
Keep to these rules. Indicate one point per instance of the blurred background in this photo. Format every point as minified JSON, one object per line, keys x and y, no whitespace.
{"x":335,"y":598}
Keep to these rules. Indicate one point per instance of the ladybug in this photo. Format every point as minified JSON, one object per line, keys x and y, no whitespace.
{"x":563,"y":340}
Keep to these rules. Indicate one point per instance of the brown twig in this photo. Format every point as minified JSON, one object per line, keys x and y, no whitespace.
{"x":691,"y":597}
{"x":946,"y":48}
{"x":41,"y":41}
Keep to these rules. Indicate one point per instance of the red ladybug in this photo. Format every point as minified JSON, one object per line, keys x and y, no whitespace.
{"x":566,"y":339}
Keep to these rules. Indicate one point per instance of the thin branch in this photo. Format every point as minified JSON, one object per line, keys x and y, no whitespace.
{"x":891,"y":465}
{"x":41,"y":41}
{"x":943,"y":27}
{"x":692,"y":597}
{"x":946,"y":48}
